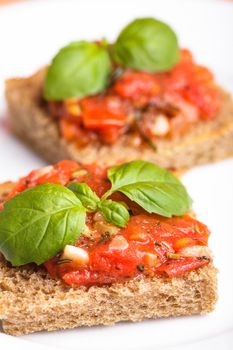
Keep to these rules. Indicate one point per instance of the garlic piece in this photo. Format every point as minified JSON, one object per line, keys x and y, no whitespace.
{"x":161,"y":126}
{"x":75,"y":254}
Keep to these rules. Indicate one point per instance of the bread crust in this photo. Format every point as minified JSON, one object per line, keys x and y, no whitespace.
{"x":31,"y":301}
{"x":208,"y":141}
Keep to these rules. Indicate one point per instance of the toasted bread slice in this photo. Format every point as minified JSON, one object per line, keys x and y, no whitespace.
{"x":208,"y":141}
{"x":31,"y":301}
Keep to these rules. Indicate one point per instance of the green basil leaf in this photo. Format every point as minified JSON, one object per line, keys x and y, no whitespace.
{"x":114,"y":212}
{"x":37,"y":224}
{"x":165,"y":199}
{"x":84,"y":193}
{"x":153,"y":188}
{"x":135,"y":171}
{"x":146,"y":44}
{"x":79,"y":69}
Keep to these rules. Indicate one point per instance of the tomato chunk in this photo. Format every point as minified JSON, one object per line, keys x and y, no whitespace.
{"x":137,"y":85}
{"x":176,"y":268}
{"x":100,"y":112}
{"x":196,"y":84}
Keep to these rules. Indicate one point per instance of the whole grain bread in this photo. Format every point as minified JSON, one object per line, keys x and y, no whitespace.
{"x":208,"y":141}
{"x":31,"y":301}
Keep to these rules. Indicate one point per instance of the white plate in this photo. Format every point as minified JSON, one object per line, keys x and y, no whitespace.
{"x":30,"y":33}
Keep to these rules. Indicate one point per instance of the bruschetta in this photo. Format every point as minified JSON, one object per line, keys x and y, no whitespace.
{"x":82,"y":245}
{"x":141,"y":97}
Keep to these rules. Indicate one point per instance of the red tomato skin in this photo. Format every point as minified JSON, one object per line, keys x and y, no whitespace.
{"x":135,"y":85}
{"x":91,"y":278}
{"x":102,"y":112}
{"x":177,"y":268}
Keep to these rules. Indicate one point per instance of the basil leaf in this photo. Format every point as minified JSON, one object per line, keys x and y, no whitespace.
{"x":153,"y":188}
{"x":114,"y":212}
{"x":135,"y":171}
{"x":37,"y":224}
{"x":158,"y":197}
{"x":146,"y":44}
{"x":79,"y":69}
{"x":84,"y":193}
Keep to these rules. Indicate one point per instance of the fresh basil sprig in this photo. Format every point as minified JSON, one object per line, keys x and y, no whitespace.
{"x":113,"y":212}
{"x":36,"y":224}
{"x":146,"y":44}
{"x":82,"y":68}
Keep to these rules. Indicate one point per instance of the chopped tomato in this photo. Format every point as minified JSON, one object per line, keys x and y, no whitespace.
{"x":62,"y":173}
{"x":176,"y":268}
{"x":186,"y":56}
{"x":69,"y":129}
{"x":183,"y":243}
{"x":74,"y":132}
{"x":102,"y":111}
{"x":114,"y":261}
{"x":110,"y":135}
{"x":169,"y":230}
{"x":150,"y":105}
{"x":137,"y":86}
{"x":196,"y":84}
{"x":205,"y":98}
{"x":190,"y":227}
{"x":90,"y":278}
{"x":66,"y":166}
{"x":148,"y":245}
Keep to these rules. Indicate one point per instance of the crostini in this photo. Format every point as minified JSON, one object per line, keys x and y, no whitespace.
{"x":141,"y":97}
{"x":82,"y":245}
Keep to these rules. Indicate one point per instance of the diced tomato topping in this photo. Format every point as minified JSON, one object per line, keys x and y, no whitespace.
{"x":148,"y":245}
{"x":205,"y":98}
{"x":100,"y":112}
{"x":196,"y":84}
{"x":152,"y":105}
{"x":73,"y":132}
{"x":69,"y":129}
{"x":114,"y":261}
{"x":183,"y":243}
{"x":90,"y":278}
{"x":110,"y":135}
{"x":62,"y":173}
{"x":66,"y":166}
{"x":138,"y":86}
{"x":176,"y":268}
